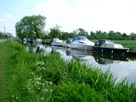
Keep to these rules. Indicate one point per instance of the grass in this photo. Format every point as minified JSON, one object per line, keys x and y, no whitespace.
{"x":15,"y":64}
{"x":127,"y":43}
{"x":32,"y":77}
{"x":3,"y":80}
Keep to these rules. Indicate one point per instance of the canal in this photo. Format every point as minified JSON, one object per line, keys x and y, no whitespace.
{"x":121,"y":66}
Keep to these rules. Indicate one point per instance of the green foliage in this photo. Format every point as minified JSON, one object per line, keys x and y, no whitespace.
{"x":55,"y":32}
{"x":30,"y":27}
{"x":5,"y":35}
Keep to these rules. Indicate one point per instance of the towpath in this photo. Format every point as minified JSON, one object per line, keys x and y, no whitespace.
{"x":3,"y":76}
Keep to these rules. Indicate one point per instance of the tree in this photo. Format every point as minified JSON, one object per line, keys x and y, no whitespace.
{"x":1,"y":34}
{"x":125,"y":36}
{"x":132,"y":36}
{"x":80,"y":31}
{"x":66,"y":35}
{"x":8,"y":34}
{"x":30,"y":26}
{"x":55,"y":32}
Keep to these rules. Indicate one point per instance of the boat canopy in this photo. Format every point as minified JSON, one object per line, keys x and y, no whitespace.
{"x":103,"y":41}
{"x":79,"y":38}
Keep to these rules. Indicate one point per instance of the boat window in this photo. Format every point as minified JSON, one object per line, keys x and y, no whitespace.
{"x":82,"y":42}
{"x":109,"y":42}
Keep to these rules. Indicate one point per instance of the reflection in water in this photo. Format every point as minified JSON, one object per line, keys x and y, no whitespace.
{"x":39,"y":48}
{"x":121,"y":66}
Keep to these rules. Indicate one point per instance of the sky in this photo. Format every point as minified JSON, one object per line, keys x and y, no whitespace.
{"x":91,"y":15}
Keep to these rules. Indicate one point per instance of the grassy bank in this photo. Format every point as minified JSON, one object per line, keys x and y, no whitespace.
{"x":127,"y":43}
{"x":28,"y":77}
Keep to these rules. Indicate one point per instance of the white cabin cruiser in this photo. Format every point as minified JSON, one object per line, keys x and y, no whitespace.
{"x":108,"y":44}
{"x":80,"y":42}
{"x":56,"y":42}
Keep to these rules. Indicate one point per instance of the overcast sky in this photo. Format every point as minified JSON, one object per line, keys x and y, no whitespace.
{"x":91,"y":15}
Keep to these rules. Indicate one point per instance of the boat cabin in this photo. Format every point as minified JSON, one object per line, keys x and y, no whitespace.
{"x":107,"y":43}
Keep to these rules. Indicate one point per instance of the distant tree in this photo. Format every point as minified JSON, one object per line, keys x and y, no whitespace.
{"x":105,"y":35}
{"x":80,"y":31}
{"x":99,"y":34}
{"x":124,"y":36}
{"x":8,"y":34}
{"x":92,"y":35}
{"x":117,"y":36}
{"x":55,"y":32}
{"x":111,"y":35}
{"x":1,"y":34}
{"x":30,"y":27}
{"x":5,"y":35}
{"x":66,"y":35}
{"x":132,"y":36}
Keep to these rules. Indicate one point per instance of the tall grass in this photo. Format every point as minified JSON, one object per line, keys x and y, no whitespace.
{"x":38,"y":78}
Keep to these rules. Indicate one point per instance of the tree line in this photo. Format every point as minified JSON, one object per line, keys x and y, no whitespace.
{"x":5,"y":35}
{"x":33,"y":27}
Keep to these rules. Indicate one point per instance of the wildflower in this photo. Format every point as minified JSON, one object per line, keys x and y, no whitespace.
{"x":38,"y":83}
{"x":32,"y":73}
{"x":46,"y":82}
{"x":50,"y":83}
{"x":42,"y":98}
{"x":43,"y":68}
{"x":39,"y":78}
{"x":28,"y":88}
{"x":43,"y":84}
{"x":16,"y":98}
{"x":39,"y":63}
{"x":51,"y":90}
{"x":45,"y":90}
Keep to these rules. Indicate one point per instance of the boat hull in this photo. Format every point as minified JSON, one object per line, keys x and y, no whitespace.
{"x":110,"y":50}
{"x":57,"y":44}
{"x":81,"y":47}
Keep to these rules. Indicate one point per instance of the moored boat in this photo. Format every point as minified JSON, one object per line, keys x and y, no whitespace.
{"x":108,"y":46}
{"x":80,"y":42}
{"x":57,"y":42}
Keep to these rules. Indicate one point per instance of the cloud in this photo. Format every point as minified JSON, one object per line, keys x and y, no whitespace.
{"x":7,"y":20}
{"x":6,"y":17}
{"x":118,"y":15}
